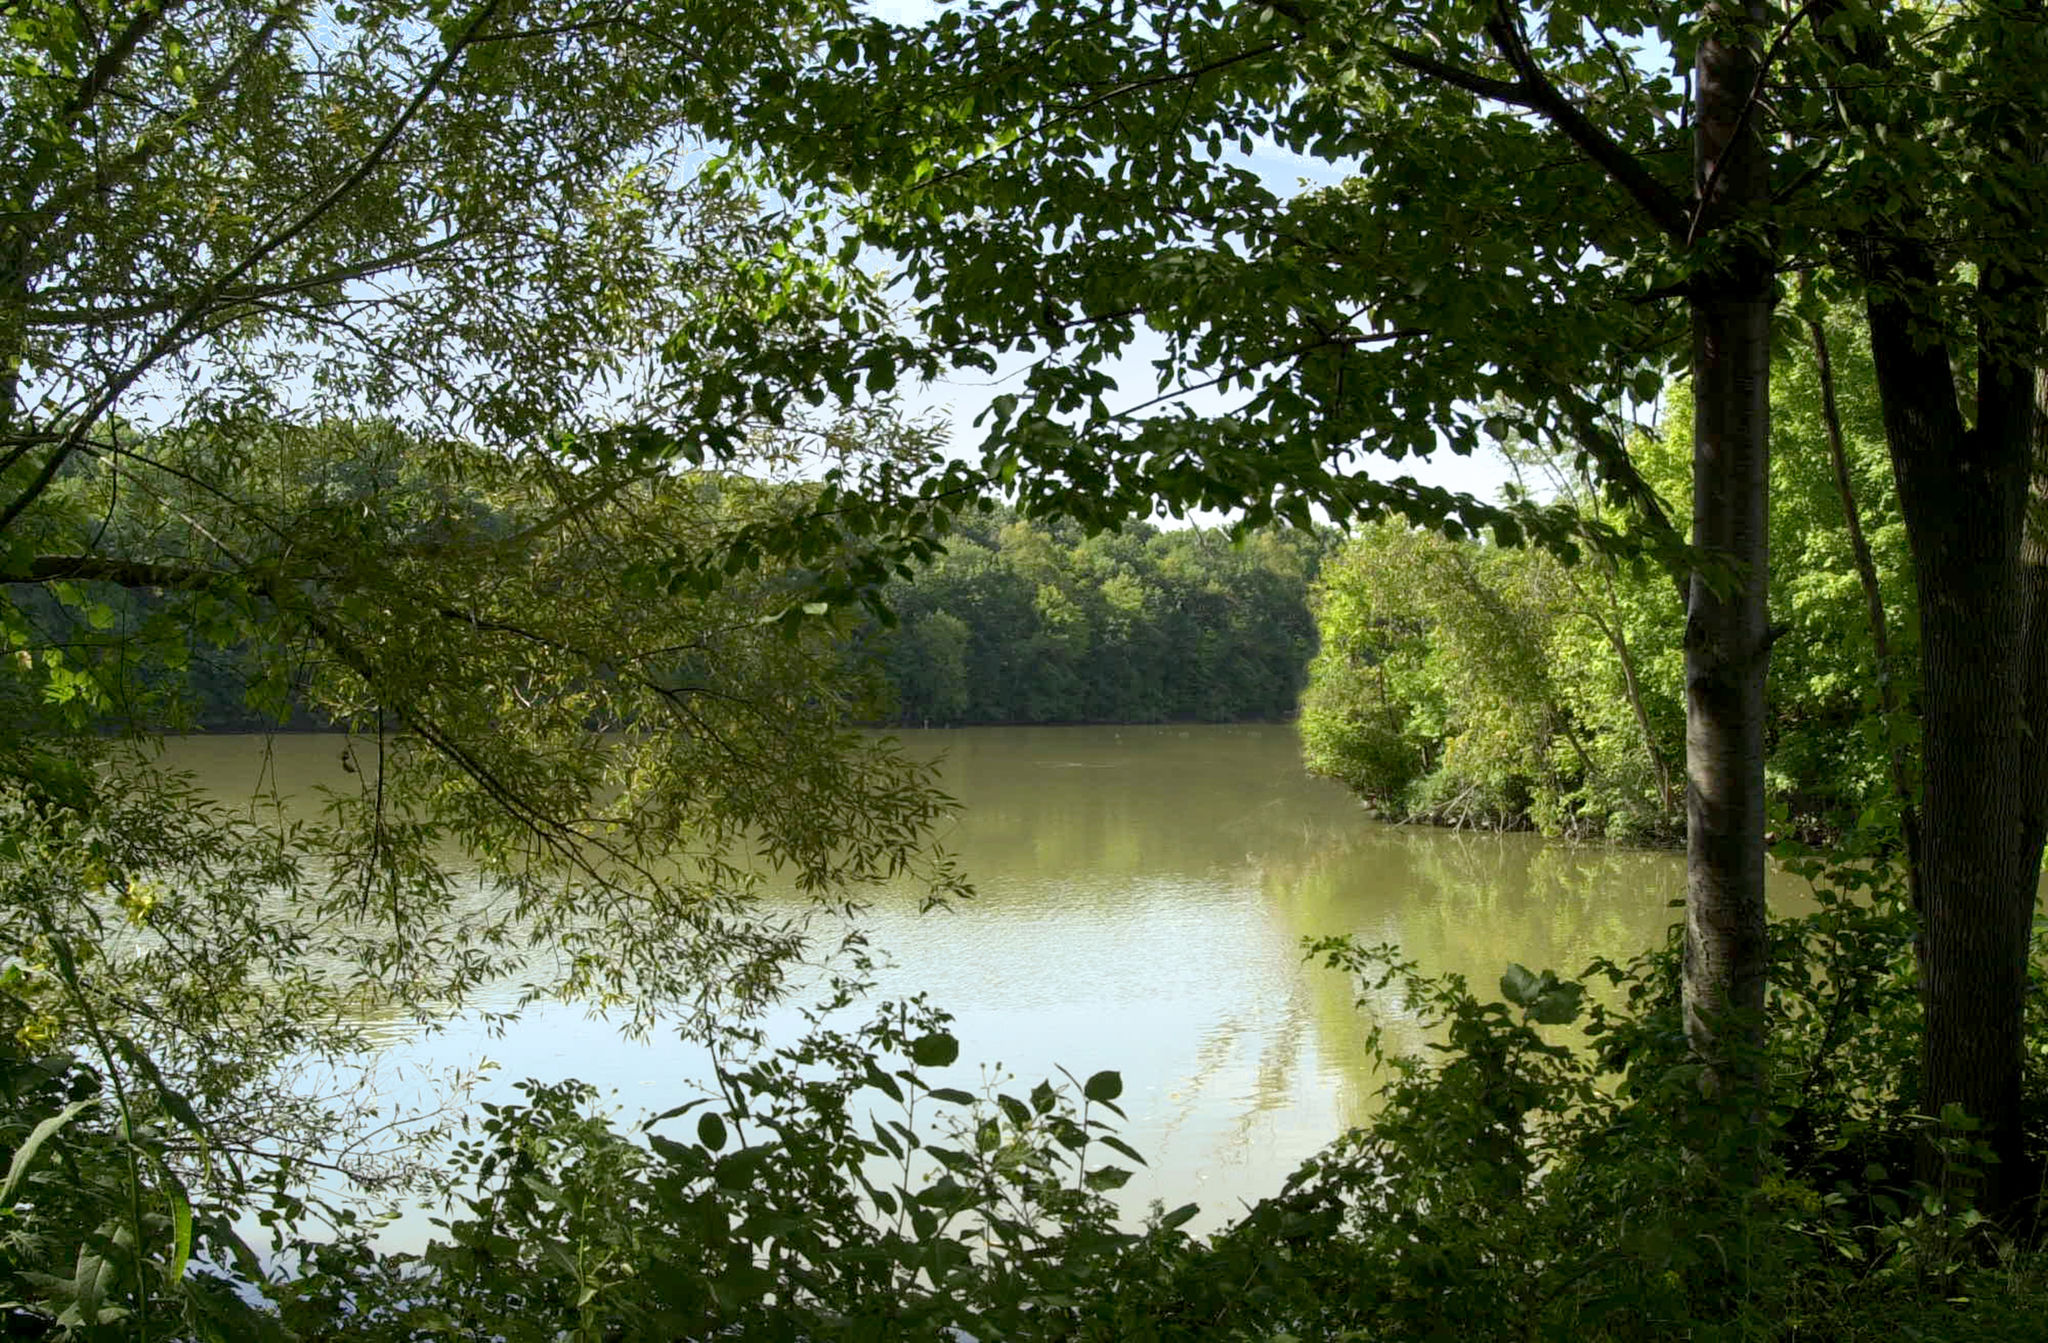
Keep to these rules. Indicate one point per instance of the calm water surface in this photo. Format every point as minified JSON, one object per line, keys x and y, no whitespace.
{"x":1143,"y":896}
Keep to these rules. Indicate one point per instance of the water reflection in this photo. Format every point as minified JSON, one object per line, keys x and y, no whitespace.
{"x":1143,"y":895}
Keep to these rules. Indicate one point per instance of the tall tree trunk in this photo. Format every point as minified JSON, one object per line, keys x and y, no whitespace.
{"x":13,"y":335}
{"x":1983,"y":606}
{"x":1727,"y":637}
{"x":1963,"y":491}
{"x":2033,"y":781}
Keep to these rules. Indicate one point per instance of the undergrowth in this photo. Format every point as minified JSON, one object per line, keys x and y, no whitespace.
{"x":1550,"y":1168}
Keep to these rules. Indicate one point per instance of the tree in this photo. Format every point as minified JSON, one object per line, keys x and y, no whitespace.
{"x":1515,"y":248}
{"x":930,"y":665}
{"x":1949,"y":274}
{"x":1138,"y":626}
{"x":1601,"y":693}
{"x":570,"y":775}
{"x":1524,"y":300}
{"x":337,"y":337}
{"x":1480,"y":685}
{"x":311,"y":320}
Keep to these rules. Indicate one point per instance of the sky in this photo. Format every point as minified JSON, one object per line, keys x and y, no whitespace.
{"x":958,"y":400}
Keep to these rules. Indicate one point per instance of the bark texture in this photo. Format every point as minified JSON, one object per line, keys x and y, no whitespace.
{"x":1964,"y":490}
{"x":1727,"y":638}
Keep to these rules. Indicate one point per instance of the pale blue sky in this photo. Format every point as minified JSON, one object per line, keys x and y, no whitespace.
{"x":956,"y":401}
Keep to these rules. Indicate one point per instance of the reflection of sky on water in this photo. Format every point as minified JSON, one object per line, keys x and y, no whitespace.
{"x":1143,"y":893}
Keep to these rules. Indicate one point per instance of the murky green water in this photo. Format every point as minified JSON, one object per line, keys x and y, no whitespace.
{"x":1143,"y":897}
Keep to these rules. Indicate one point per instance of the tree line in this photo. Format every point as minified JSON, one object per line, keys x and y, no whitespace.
{"x":1021,"y":621}
{"x":1016,"y":621}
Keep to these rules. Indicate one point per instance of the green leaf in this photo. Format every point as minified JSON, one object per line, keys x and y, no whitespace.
{"x":1559,"y":1004}
{"x":1519,"y":985}
{"x":1118,"y":1145}
{"x":883,"y":1083}
{"x":1543,"y":998}
{"x":1103,"y":1086}
{"x":711,"y":1131}
{"x":888,"y":1142}
{"x":174,"y":1101}
{"x":937,"y":1050}
{"x":25,"y":1155}
{"x":181,"y":1225}
{"x":89,"y":1285}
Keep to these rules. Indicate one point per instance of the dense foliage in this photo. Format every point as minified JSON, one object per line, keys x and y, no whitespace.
{"x":1520,"y":222}
{"x":1014,"y":622}
{"x":1474,"y":684}
{"x":1025,"y":622}
{"x":189,"y":984}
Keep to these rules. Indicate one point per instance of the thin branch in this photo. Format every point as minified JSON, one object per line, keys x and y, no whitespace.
{"x":165,"y":576}
{"x":1896,"y":756}
{"x":578,"y":508}
{"x":259,"y":294}
{"x":1499,"y":90}
{"x":149,"y":143}
{"x":108,"y":66}
{"x":199,"y":308}
{"x":1064,"y":114}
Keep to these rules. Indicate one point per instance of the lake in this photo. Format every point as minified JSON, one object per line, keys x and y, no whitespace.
{"x":1143,"y":893}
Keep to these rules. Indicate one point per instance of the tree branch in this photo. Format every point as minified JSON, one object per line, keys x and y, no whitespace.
{"x":1532,"y":89}
{"x":1539,"y":95}
{"x":257,"y":294}
{"x":197,"y":310}
{"x":169,"y":577}
{"x":148,"y":144}
{"x":1499,"y":90}
{"x":108,"y":66}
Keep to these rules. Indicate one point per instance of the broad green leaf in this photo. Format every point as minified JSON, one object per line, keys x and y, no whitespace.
{"x":1116,"y":1144}
{"x":1104,"y":1086}
{"x":937,"y":1050}
{"x":31,"y":1146}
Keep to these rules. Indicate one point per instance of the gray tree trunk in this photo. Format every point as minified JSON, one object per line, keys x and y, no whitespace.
{"x":1727,"y":636}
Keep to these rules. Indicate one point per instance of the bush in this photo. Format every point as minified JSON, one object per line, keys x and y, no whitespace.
{"x":1549,"y":1169}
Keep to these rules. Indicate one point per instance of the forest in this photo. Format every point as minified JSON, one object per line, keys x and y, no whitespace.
{"x":487,"y":378}
{"x":1022,"y":622}
{"x":1017,"y":621}
{"x":1475,"y":684}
